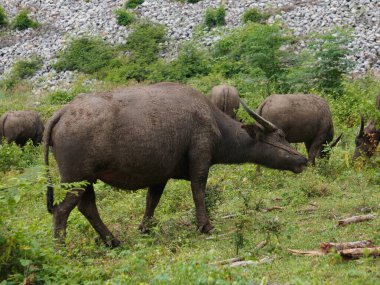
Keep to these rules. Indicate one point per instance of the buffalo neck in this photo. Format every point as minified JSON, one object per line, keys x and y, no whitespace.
{"x":235,"y":145}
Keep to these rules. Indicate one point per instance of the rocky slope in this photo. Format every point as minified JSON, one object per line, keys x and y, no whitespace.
{"x":64,"y":19}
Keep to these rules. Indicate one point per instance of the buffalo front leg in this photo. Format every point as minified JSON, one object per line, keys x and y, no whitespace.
{"x":198,"y":189}
{"x":152,"y":198}
{"x":87,"y":206}
{"x":62,"y":211}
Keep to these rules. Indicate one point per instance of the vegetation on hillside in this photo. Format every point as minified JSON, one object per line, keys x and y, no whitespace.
{"x":259,"y":60}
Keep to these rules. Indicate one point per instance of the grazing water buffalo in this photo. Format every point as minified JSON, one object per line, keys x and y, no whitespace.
{"x":140,"y":137}
{"x":367,"y":140}
{"x":303,"y":118}
{"x":226,"y":98}
{"x":20,"y":126}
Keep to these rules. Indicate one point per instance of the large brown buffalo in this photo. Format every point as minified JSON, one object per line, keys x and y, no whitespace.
{"x":21,"y":126}
{"x":140,"y":137}
{"x":303,"y":118}
{"x":226,"y":98}
{"x":367,"y":140}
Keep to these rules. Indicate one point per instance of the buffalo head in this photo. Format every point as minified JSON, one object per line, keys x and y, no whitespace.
{"x":367,"y":140}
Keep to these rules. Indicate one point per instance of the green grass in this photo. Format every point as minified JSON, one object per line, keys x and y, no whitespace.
{"x":174,"y":253}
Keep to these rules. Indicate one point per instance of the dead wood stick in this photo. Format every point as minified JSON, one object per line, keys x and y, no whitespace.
{"x":355,"y":219}
{"x":273,"y":208}
{"x":261,"y":244}
{"x":330,"y":246}
{"x":249,"y":262}
{"x":228,"y":261}
{"x":306,"y":252}
{"x":354,"y":253}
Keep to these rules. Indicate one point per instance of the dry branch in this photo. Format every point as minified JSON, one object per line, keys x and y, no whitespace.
{"x":273,"y":208}
{"x":249,"y":262}
{"x":219,"y":236}
{"x":306,"y":252}
{"x":354,"y":253}
{"x":330,"y":246}
{"x":356,"y":219}
{"x":228,"y":261}
{"x":261,"y":244}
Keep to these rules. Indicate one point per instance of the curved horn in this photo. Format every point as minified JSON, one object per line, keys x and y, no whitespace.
{"x":266,"y":124}
{"x":361,"y":126}
{"x":337,"y":140}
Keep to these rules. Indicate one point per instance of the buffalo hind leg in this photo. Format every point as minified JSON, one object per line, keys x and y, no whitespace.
{"x":87,"y":206}
{"x":314,"y":151}
{"x":62,"y":211}
{"x":152,"y":198}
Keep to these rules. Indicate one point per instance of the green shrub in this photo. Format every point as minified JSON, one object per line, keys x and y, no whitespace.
{"x":14,"y":157}
{"x":85,"y":54}
{"x":124,"y":18}
{"x":21,"y":70}
{"x":3,"y":17}
{"x":330,"y":52}
{"x":215,"y":17}
{"x":60,"y":97}
{"x":254,"y":15}
{"x":133,"y":3}
{"x":23,"y":22}
{"x":145,"y":42}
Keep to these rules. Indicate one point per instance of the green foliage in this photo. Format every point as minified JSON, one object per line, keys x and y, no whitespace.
{"x":23,"y":22}
{"x":145,"y":42}
{"x":14,"y":157}
{"x":124,"y":18}
{"x":60,"y":97}
{"x":133,"y":3}
{"x":255,"y":15}
{"x":215,"y":17}
{"x":193,"y":1}
{"x":85,"y":54}
{"x":331,"y":64}
{"x":3,"y":18}
{"x":22,"y":69}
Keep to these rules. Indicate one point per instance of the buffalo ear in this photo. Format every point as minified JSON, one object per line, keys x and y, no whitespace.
{"x":253,"y":130}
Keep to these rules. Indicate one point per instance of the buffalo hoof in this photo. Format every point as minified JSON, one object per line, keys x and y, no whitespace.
{"x":143,"y":229}
{"x":205,"y":229}
{"x":112,"y":243}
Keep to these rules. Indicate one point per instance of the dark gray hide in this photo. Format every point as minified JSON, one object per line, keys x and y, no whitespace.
{"x":140,"y":137}
{"x":226,"y":98}
{"x":20,"y":126}
{"x":303,"y":118}
{"x":367,"y":140}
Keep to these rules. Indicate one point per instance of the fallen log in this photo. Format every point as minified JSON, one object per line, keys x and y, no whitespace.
{"x":355,"y":219}
{"x":249,"y":262}
{"x":261,"y":244}
{"x":354,"y":253}
{"x":331,"y":246}
{"x":306,"y":252}
{"x":228,"y":261}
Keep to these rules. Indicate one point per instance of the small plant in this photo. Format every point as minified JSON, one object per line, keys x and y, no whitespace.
{"x":60,"y":97}
{"x":23,"y":22}
{"x":215,"y":17}
{"x":254,"y":15}
{"x":131,"y":4}
{"x":3,"y":17}
{"x":85,"y":54}
{"x":124,"y":18}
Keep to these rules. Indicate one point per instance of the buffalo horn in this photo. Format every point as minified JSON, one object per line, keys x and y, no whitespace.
{"x":361,"y":126}
{"x":266,"y":124}
{"x":337,"y":140}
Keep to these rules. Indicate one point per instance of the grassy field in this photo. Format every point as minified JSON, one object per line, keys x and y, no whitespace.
{"x":174,"y":252}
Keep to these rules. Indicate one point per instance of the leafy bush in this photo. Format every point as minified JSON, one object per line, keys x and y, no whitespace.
{"x":23,"y":22}
{"x":60,"y":97}
{"x":14,"y":157}
{"x":330,"y":53}
{"x":21,"y":70}
{"x":215,"y":17}
{"x":255,"y":16}
{"x":133,"y":3}
{"x":3,"y":17}
{"x":85,"y":54}
{"x":124,"y":18}
{"x":145,"y":42}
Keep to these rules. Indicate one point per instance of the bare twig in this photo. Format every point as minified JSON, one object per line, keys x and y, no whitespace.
{"x":356,"y":219}
{"x":261,"y":244}
{"x":273,"y":208}
{"x":306,"y":252}
{"x":249,"y":262}
{"x":228,"y":261}
{"x":219,"y":236}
